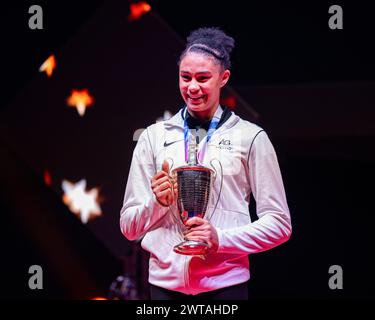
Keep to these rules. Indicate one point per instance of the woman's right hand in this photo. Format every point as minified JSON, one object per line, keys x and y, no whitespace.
{"x":162,"y":186}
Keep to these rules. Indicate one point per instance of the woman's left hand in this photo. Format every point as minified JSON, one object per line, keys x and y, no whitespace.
{"x":202,"y":230}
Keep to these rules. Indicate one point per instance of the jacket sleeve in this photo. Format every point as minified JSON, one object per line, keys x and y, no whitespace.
{"x":274,"y":225}
{"x":140,"y":210}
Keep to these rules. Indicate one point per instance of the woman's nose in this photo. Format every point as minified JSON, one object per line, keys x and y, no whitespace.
{"x":193,"y":86}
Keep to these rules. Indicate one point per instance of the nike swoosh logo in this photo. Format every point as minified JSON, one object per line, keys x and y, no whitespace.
{"x":167,"y":144}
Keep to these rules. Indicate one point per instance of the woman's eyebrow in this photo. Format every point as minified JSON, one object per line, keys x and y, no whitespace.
{"x":204,"y":72}
{"x":199,"y":73}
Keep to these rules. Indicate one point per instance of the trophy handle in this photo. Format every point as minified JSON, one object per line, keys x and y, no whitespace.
{"x":214,"y":179}
{"x":215,"y":173}
{"x":176,"y":217}
{"x":170,"y":165}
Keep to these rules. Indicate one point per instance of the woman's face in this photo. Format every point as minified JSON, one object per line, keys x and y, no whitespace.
{"x":200,"y":82}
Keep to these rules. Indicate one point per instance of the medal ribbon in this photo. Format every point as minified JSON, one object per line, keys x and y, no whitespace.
{"x":188,"y":135}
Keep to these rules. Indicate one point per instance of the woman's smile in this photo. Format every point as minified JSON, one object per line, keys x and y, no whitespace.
{"x":196,"y":100}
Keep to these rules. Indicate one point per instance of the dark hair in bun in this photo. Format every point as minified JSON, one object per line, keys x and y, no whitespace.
{"x":212,"y":42}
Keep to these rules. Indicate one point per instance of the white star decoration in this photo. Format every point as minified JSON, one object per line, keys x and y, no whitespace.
{"x":81,"y":202}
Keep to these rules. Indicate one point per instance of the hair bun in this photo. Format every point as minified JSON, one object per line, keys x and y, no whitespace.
{"x":213,"y":37}
{"x":212,"y":41}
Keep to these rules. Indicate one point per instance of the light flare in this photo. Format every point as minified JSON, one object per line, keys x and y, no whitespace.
{"x":137,"y":10}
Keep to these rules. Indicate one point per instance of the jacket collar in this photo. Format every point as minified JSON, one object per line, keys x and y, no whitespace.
{"x":178,"y":119}
{"x":197,"y":123}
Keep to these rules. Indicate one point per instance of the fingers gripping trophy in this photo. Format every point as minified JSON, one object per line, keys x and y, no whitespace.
{"x":193,"y":192}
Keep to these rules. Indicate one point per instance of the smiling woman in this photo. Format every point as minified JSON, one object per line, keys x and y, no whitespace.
{"x":248,"y":165}
{"x":204,"y":70}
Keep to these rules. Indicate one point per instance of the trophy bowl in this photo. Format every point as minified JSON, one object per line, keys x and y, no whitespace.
{"x":194,"y":185}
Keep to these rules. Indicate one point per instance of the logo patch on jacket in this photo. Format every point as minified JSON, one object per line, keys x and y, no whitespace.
{"x":225,"y":144}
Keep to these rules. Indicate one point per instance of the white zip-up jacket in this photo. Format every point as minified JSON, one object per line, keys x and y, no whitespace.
{"x":249,"y":164}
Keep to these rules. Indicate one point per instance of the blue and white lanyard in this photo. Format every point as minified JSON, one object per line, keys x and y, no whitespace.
{"x":187,"y":136}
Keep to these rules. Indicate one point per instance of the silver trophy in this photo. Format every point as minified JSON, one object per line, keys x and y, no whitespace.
{"x":194,"y":186}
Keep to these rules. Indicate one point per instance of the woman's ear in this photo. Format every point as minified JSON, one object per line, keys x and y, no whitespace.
{"x":224,"y":78}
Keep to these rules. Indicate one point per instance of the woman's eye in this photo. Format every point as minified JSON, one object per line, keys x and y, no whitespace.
{"x":203,"y":79}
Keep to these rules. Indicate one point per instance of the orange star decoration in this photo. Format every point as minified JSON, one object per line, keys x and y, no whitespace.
{"x":138,"y":9}
{"x":48,"y":66}
{"x":81,"y":202}
{"x":81,"y":100}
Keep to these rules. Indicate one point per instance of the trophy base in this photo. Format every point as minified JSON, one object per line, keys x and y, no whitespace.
{"x":191,"y":248}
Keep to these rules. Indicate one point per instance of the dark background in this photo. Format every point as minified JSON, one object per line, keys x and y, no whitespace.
{"x":311,"y":88}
